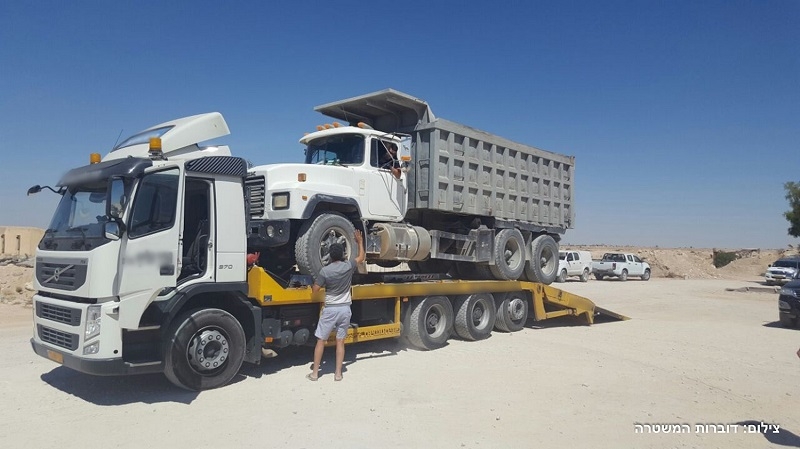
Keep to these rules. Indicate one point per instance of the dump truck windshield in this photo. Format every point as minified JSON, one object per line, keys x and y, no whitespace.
{"x":77,"y":224}
{"x":339,"y":149}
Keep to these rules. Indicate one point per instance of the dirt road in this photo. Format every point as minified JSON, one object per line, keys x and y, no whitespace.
{"x":693,"y":353}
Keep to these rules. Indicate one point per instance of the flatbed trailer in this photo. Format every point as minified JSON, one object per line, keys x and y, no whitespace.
{"x":427,"y":313}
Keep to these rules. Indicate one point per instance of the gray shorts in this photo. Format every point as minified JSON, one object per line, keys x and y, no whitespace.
{"x":334,"y":317}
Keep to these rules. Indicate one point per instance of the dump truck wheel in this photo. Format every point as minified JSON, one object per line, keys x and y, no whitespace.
{"x":543,"y":265}
{"x":585,"y":275}
{"x":509,"y":255}
{"x":204,"y":349}
{"x":474,"y":316}
{"x":512,"y":312}
{"x":646,"y":275}
{"x":562,"y":277}
{"x":429,"y":322}
{"x":623,"y":276}
{"x":312,"y":249}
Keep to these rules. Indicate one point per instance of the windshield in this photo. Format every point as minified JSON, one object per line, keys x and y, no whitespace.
{"x":787,"y":263}
{"x":78,"y":221}
{"x":339,"y":149}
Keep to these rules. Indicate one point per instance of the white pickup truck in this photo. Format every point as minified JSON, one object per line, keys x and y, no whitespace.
{"x":620,"y":265}
{"x":574,"y":263}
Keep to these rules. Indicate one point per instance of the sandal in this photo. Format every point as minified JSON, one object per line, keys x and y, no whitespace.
{"x":337,"y":378}
{"x":311,"y":377}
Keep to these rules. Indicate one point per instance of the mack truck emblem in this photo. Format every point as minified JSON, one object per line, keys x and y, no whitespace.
{"x":57,"y":274}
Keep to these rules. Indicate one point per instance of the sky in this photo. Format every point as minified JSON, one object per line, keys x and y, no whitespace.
{"x":683,"y":116}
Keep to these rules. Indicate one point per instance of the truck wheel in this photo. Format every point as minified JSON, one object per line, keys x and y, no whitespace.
{"x":429,"y":322}
{"x":599,"y":277}
{"x":787,"y":321}
{"x":512,"y":312}
{"x":585,"y":275}
{"x":204,"y":350}
{"x":624,"y":275}
{"x":316,"y":237}
{"x":562,"y":277}
{"x":646,"y":275}
{"x":543,"y":266}
{"x":509,"y":255}
{"x":474,"y":316}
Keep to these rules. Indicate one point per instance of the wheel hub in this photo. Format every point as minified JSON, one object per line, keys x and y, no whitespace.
{"x":208,"y":350}
{"x":516,"y":309}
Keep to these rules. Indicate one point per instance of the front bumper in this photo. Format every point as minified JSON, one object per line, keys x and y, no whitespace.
{"x":98,"y":367}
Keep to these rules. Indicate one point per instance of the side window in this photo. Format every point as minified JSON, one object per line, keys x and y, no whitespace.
{"x":570,"y":257}
{"x":155,"y":203}
{"x":637,"y":259}
{"x":630,"y":259}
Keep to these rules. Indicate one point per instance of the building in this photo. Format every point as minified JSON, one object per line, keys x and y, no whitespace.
{"x":19,"y":240}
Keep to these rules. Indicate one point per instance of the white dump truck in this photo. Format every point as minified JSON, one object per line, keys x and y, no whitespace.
{"x":468,"y":203}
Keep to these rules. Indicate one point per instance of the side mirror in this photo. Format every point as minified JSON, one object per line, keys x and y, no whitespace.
{"x":111,"y":230}
{"x":115,"y":203}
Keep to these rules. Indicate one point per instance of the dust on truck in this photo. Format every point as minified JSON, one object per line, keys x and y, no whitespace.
{"x":468,"y":203}
{"x":146,"y":268}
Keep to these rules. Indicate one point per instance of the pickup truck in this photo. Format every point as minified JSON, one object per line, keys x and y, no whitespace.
{"x":574,"y":263}
{"x":620,"y":265}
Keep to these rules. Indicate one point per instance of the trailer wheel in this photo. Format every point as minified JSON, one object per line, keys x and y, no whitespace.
{"x":624,"y":275}
{"x":429,"y":322}
{"x":512,"y":312}
{"x":562,"y":277}
{"x":646,"y":275}
{"x":543,"y":266}
{"x":509,"y":255}
{"x":204,"y":350}
{"x":585,"y":275}
{"x":312,"y":249}
{"x":474,"y":316}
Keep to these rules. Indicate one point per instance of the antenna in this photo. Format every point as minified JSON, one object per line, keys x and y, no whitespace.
{"x":118,"y":136}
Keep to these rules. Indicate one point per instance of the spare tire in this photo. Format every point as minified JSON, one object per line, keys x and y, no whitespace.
{"x":312,"y":249}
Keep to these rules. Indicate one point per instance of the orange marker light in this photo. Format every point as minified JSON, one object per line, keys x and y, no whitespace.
{"x":94,"y":158}
{"x":301,"y":177}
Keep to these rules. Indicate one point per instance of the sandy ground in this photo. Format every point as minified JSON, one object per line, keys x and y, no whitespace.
{"x":693,"y":353}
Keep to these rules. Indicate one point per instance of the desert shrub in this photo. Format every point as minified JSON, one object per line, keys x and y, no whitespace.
{"x":722,"y":258}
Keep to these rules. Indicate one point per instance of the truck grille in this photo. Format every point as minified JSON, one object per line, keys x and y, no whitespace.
{"x":61,"y":274}
{"x":59,"y":314}
{"x":59,"y":338}
{"x":256,"y":196}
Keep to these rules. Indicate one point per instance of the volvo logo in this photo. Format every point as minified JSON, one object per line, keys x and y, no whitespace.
{"x":57,"y":274}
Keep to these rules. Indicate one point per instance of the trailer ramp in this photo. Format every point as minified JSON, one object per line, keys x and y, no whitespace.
{"x":551,"y":302}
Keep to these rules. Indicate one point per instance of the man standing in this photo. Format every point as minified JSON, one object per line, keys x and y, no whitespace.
{"x":336,"y":277}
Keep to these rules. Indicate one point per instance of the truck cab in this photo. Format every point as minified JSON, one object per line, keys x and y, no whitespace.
{"x":134,"y":238}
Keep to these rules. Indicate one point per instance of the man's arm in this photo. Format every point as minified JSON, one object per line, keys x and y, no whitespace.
{"x":362,"y":254}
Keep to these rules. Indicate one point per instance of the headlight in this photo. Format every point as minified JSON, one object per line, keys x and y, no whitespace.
{"x":788,"y":292}
{"x":280,"y":200}
{"x":92,"y":322}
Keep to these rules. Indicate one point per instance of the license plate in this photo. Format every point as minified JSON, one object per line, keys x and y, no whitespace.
{"x":55,"y":356}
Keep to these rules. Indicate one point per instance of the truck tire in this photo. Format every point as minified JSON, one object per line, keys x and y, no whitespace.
{"x":428,"y":322}
{"x":599,"y":277}
{"x":543,"y":266}
{"x":204,"y":349}
{"x":562,"y":277}
{"x":512,"y":312}
{"x":585,"y":275}
{"x":509,"y":255}
{"x":474,"y":316}
{"x":624,"y":275}
{"x":315,"y":238}
{"x":646,"y":275}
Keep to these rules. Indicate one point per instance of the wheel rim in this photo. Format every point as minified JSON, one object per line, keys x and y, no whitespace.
{"x":513,"y":253}
{"x":208,"y":350}
{"x":334,"y":235}
{"x":480,"y":316}
{"x":548,"y":260}
{"x":435,"y":323}
{"x":516,"y":310}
